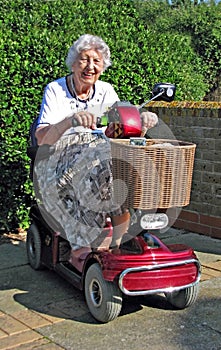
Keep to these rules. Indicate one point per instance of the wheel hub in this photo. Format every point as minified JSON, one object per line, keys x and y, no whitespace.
{"x":96,"y":293}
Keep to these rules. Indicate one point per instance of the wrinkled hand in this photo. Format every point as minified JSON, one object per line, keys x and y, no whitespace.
{"x":85,"y":119}
{"x":149,"y":120}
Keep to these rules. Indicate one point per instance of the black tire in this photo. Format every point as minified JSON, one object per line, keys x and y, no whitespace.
{"x":183,"y":298}
{"x":104,"y":298}
{"x":34,"y":247}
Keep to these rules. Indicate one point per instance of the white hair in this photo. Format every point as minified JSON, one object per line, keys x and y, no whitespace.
{"x":88,"y":42}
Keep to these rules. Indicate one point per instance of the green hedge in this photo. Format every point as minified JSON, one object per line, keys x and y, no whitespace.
{"x":35,"y":37}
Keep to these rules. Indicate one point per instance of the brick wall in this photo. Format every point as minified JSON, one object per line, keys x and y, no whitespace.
{"x":200,"y":123}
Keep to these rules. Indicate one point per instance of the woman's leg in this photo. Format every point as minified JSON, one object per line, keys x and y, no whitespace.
{"x":120,"y":227}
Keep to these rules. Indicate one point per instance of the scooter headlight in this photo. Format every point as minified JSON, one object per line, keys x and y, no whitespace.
{"x":154,"y":221}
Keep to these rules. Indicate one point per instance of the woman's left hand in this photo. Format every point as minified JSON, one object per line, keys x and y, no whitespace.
{"x":149,"y":120}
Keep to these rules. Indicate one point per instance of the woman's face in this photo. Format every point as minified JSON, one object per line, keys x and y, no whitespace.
{"x":88,"y":67}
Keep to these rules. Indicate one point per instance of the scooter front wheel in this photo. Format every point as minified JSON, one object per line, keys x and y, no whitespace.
{"x":104,"y":298}
{"x":34,"y":248}
{"x":183,"y":298}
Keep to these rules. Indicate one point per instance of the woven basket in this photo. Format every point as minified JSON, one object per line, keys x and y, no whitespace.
{"x":157,"y":175}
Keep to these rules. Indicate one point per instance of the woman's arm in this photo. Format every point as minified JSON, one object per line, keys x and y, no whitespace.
{"x":51,"y":133}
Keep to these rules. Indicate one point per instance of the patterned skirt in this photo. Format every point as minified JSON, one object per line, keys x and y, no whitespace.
{"x":75,"y":186}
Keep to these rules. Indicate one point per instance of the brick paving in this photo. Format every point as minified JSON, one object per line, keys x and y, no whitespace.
{"x":211,"y":270}
{"x":20,"y":328}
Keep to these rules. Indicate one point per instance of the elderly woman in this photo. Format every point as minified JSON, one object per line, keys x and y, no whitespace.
{"x":75,"y":182}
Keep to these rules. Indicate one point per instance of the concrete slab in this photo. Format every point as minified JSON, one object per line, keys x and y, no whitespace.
{"x":12,"y":257}
{"x":148,"y":323}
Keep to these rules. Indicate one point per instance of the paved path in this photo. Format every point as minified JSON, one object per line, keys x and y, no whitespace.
{"x":39,"y":310}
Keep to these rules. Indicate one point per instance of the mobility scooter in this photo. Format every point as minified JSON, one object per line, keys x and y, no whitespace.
{"x":156,"y":175}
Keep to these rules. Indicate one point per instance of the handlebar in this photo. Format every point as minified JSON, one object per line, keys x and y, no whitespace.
{"x":100,"y":122}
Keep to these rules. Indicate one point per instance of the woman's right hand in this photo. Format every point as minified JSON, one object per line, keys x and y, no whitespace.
{"x":85,"y":119}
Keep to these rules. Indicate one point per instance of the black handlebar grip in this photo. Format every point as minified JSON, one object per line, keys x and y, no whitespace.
{"x":76,"y":123}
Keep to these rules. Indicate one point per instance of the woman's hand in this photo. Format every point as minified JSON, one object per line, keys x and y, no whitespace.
{"x":149,"y":120}
{"x":85,"y":119}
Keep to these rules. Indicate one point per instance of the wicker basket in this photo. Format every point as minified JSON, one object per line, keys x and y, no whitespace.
{"x":157,"y":175}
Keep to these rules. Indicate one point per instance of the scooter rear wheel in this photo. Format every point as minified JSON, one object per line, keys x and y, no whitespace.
{"x":183,"y":298}
{"x":104,"y":298}
{"x":34,"y":247}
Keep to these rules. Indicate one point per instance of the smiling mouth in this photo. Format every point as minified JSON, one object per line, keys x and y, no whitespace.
{"x":87,"y":74}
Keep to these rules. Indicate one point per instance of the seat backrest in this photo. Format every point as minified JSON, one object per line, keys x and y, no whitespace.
{"x":32,"y":132}
{"x":44,"y":151}
{"x":33,"y":148}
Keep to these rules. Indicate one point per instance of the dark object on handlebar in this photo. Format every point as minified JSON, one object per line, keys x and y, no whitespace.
{"x":164,"y":91}
{"x":161,"y":92}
